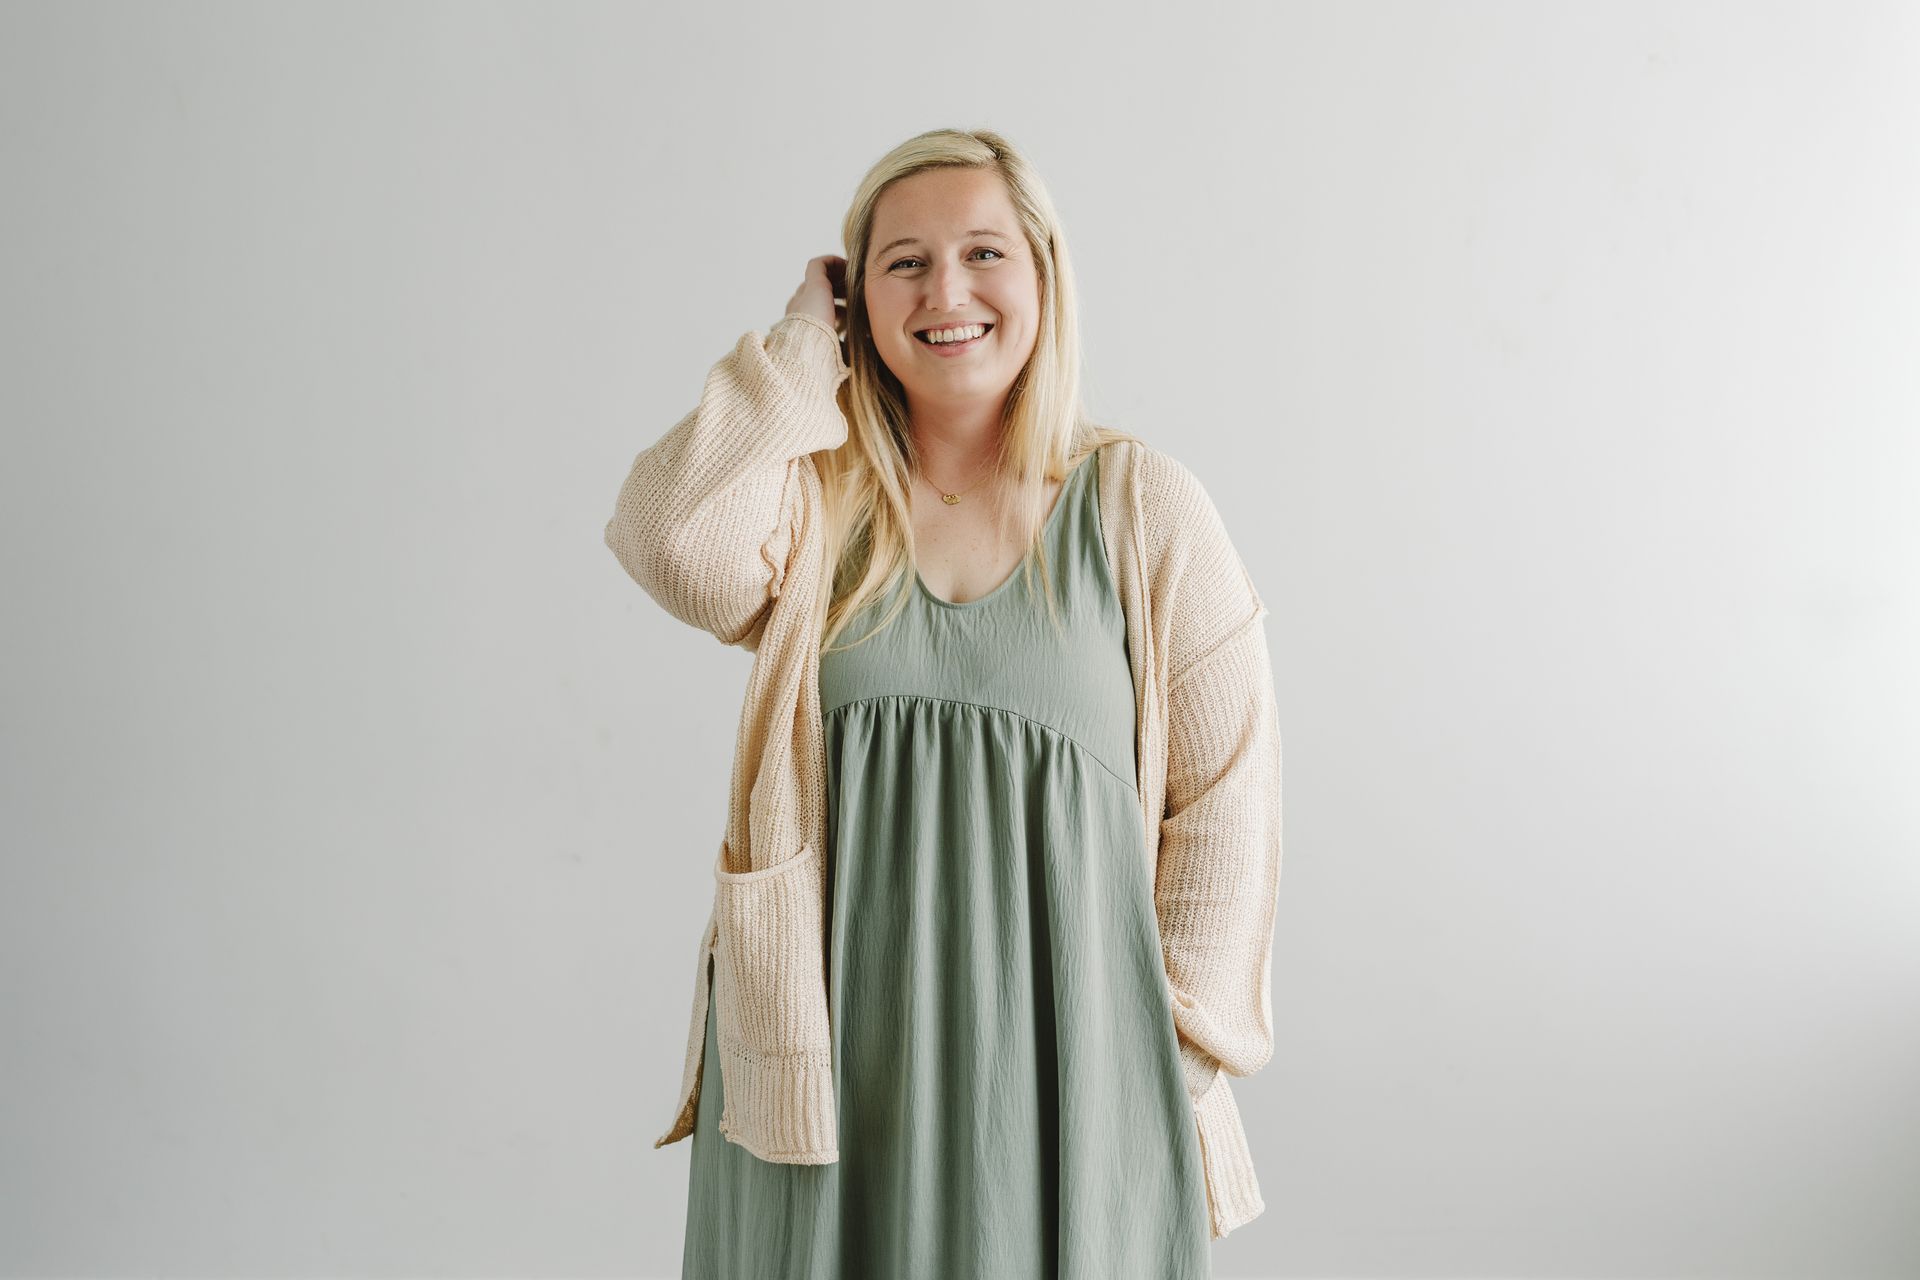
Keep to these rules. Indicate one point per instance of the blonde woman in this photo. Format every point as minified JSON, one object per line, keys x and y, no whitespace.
{"x":993,"y":916}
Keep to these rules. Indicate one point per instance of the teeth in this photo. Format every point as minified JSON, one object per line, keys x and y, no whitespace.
{"x":954,"y":335}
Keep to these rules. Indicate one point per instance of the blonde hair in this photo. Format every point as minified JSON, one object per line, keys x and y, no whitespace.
{"x":1044,"y":430}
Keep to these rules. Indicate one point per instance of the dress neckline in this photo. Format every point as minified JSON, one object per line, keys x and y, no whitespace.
{"x":1046,"y":532}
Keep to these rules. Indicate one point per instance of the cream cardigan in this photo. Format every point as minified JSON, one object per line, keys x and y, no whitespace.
{"x":720,"y":522}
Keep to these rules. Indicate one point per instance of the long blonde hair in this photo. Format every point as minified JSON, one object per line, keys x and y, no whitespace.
{"x":1044,"y":431}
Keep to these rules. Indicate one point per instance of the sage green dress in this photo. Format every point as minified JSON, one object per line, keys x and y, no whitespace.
{"x":1006,"y":1067}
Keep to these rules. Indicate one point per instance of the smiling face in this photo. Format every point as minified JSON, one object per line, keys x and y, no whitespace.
{"x":948,"y":252}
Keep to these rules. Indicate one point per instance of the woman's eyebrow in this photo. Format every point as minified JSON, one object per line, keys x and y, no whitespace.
{"x":977,"y":231}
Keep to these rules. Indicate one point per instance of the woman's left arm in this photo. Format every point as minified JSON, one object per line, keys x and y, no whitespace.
{"x":1218,"y":870}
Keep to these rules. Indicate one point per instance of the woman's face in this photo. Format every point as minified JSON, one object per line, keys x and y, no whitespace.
{"x":948,"y":251}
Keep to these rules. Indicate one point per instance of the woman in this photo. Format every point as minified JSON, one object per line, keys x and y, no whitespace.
{"x":1027,"y":717}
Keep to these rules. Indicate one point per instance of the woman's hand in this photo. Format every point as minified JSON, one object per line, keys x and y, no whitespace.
{"x":822,"y":294}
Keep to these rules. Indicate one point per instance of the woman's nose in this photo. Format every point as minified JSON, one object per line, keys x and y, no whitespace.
{"x":946,"y":289}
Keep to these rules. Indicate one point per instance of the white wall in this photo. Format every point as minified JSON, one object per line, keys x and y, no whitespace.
{"x":1553,"y":366}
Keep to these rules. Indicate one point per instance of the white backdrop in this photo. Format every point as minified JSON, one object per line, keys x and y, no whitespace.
{"x":1553,"y":366}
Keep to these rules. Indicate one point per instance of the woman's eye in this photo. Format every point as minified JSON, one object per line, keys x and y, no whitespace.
{"x":981,"y":249}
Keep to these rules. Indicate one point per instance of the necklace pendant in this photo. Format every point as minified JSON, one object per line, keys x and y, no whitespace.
{"x":949,"y":498}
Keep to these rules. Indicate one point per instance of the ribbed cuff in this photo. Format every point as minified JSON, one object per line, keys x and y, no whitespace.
{"x":797,"y":336}
{"x":1198,"y":1068}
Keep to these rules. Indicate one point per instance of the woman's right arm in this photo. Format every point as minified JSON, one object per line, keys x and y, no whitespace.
{"x":703,"y":522}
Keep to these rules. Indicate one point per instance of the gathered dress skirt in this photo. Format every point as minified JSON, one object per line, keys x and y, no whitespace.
{"x":1006,"y":1068}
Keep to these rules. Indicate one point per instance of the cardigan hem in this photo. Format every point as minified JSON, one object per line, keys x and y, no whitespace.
{"x":1233,"y":1190}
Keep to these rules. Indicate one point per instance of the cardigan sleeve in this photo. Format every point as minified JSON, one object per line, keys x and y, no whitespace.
{"x":1219,"y":865}
{"x":704,"y":519}
{"x":1218,"y":869}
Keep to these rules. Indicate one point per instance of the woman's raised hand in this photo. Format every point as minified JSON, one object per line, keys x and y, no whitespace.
{"x":823,"y":293}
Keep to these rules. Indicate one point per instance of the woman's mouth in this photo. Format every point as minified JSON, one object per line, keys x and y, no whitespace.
{"x":957,"y":339}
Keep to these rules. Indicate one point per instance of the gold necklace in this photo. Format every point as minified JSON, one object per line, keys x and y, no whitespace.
{"x":951,"y":498}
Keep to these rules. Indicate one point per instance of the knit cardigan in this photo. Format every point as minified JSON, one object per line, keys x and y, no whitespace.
{"x":720,"y":521}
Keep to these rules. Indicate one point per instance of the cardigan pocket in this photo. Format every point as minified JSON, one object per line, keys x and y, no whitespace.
{"x":770,"y":998}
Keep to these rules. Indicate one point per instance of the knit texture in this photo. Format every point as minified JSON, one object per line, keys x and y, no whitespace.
{"x":720,"y":523}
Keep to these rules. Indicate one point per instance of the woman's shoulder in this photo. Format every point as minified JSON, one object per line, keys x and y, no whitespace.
{"x":1170,"y":497}
{"x":1184,"y":537}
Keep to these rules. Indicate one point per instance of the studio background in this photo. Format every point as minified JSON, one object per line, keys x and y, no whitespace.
{"x":1552,"y":366}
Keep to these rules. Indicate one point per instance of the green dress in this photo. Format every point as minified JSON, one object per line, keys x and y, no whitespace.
{"x":1007,"y":1072}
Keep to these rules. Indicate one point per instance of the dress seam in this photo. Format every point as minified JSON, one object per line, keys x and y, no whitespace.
{"x":1064,"y":736}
